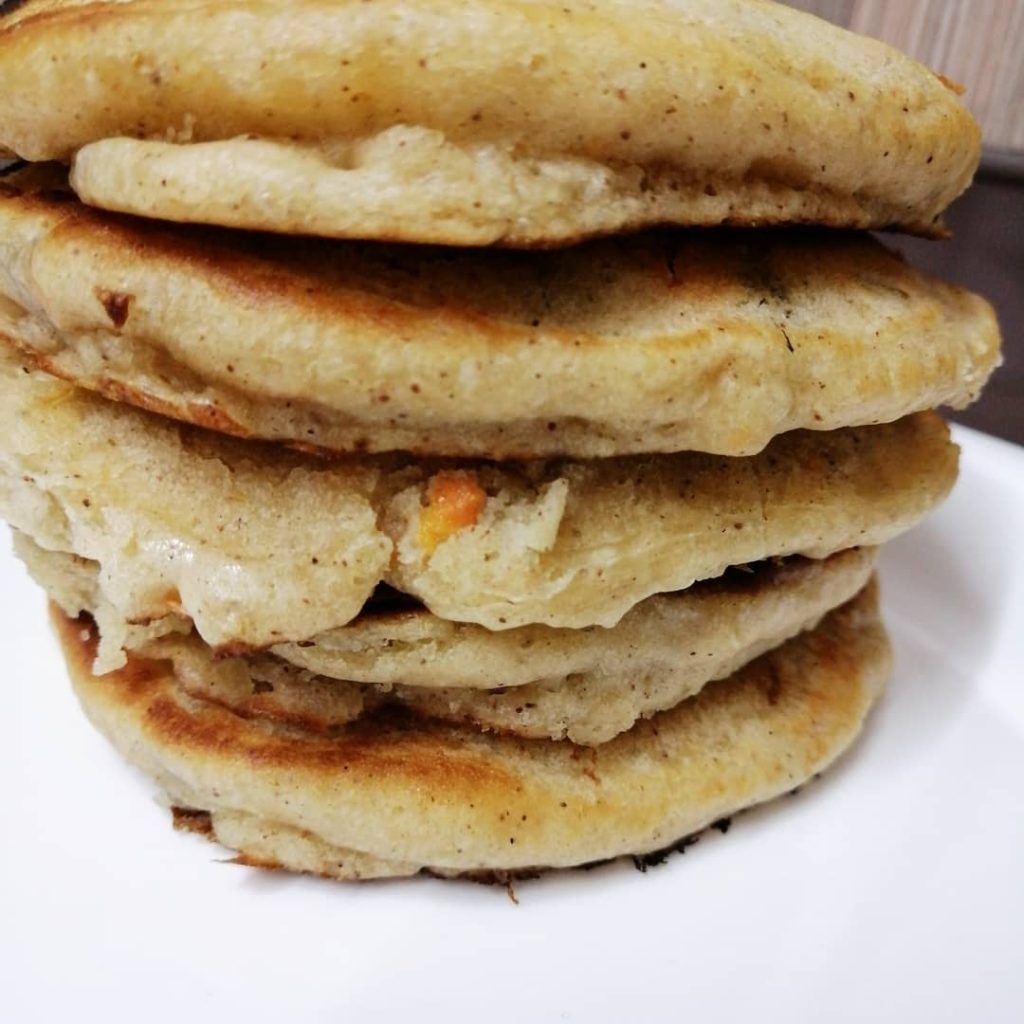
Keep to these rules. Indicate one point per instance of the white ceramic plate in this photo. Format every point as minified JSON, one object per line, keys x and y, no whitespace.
{"x":890,"y":890}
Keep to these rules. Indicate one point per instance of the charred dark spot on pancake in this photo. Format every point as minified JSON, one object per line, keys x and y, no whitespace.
{"x":656,"y":858}
{"x":490,"y":876}
{"x":188,"y":819}
{"x":117,"y":305}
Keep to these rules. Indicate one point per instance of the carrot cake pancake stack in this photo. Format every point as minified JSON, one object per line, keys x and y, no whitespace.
{"x":453,"y":435}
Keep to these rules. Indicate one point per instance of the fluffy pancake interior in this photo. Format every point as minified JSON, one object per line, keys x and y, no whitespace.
{"x":259,"y":547}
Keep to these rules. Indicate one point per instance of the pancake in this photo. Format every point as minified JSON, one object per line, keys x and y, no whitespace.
{"x":259,"y":546}
{"x":72,"y":583}
{"x":587,"y":685}
{"x":474,"y":122}
{"x":394,"y":794}
{"x":710,"y":342}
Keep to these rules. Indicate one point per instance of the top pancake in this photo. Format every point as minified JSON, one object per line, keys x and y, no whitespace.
{"x":472,"y":122}
{"x":709,"y":341}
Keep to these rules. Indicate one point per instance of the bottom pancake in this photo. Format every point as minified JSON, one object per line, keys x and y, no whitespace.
{"x":395,"y":793}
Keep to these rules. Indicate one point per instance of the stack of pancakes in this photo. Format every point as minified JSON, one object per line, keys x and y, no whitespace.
{"x":381,"y":550}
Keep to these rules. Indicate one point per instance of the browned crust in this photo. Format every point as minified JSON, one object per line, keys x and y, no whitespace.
{"x":365,"y":747}
{"x":186,"y":819}
{"x":805,"y":701}
{"x":206,"y":416}
{"x":356,"y":295}
{"x":260,"y":267}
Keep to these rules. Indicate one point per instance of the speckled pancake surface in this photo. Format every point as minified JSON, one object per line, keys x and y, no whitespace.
{"x":521,"y":122}
{"x":584,"y":684}
{"x":259,"y":546}
{"x":394,"y":794}
{"x":711,"y":342}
